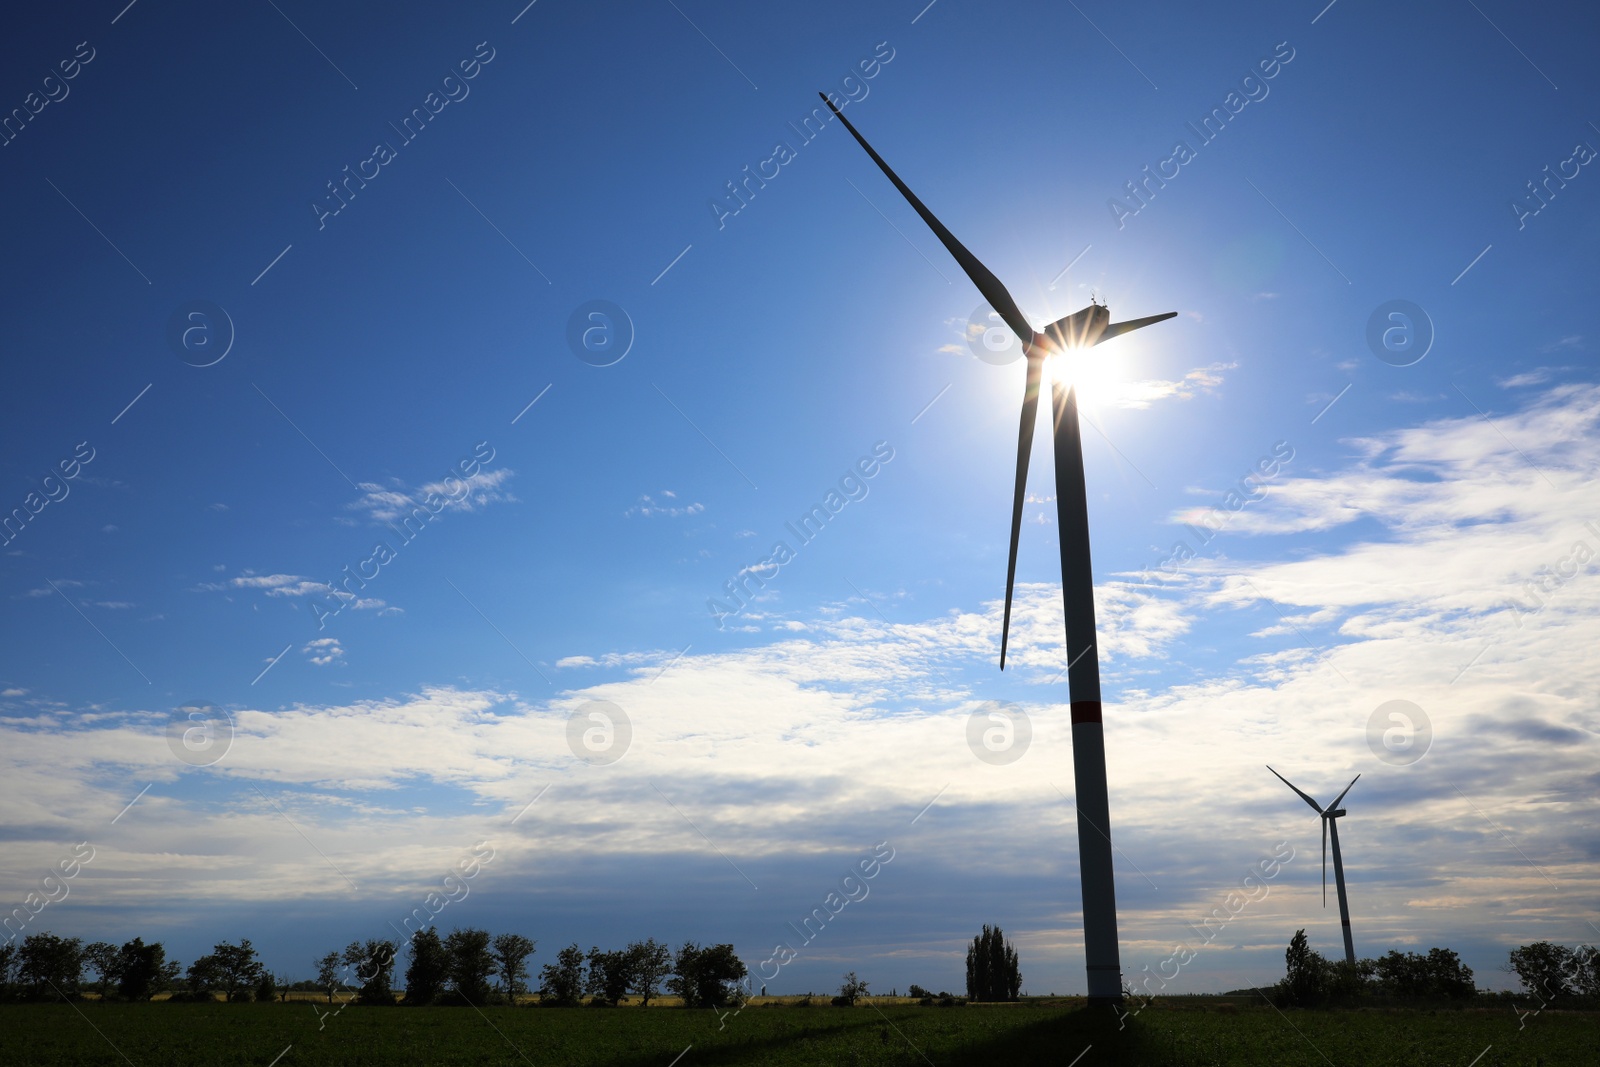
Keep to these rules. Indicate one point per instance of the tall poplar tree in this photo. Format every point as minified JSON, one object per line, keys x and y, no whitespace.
{"x":992,"y":972}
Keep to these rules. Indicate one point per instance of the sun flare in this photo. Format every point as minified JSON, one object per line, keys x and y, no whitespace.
{"x":1097,"y":377}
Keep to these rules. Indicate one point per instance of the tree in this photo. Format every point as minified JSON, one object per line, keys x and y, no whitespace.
{"x":471,"y":964}
{"x":1306,"y":977}
{"x":992,"y":972}
{"x":231,"y":969}
{"x":430,"y":965}
{"x":1438,"y":974}
{"x":1448,"y":976}
{"x":511,"y":952}
{"x":561,"y":982}
{"x":328,"y":973}
{"x":852,"y":988}
{"x":201,"y":979}
{"x":266,"y":988}
{"x":1347,"y":982}
{"x":49,"y":966}
{"x":1586,"y":970}
{"x":374,"y":970}
{"x":914,"y":990}
{"x":649,"y":964}
{"x":1402,"y":974}
{"x":707,"y":977}
{"x":143,"y":970}
{"x":610,"y":975}
{"x":1544,"y":969}
{"x":8,"y":962}
{"x":102,"y":958}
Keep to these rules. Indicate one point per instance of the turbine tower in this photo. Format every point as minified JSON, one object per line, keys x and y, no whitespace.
{"x":1079,"y":330}
{"x":1331,"y":828}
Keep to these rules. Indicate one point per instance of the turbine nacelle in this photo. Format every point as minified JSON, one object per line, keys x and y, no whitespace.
{"x":1081,"y":329}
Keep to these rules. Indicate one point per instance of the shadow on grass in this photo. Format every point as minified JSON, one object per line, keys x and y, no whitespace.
{"x":1013,"y":1037}
{"x":1087,"y":1037}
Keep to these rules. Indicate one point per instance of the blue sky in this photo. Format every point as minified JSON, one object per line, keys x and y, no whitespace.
{"x":377,"y":349}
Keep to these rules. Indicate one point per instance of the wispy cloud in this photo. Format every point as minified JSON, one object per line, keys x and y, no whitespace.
{"x":397,"y":500}
{"x":1537,"y":376}
{"x":45,"y":590}
{"x":295,"y":585}
{"x":1142,"y":394}
{"x":648,"y":507}
{"x":280,"y":584}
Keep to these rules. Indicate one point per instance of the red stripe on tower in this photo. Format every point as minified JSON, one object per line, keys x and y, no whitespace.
{"x":1085,"y":711}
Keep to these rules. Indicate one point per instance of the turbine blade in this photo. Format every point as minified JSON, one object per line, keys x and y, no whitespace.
{"x":1324,"y":862}
{"x":1314,"y":805}
{"x":981,"y":276}
{"x":1030,"y":407}
{"x":1340,"y":797}
{"x":1117,"y":329}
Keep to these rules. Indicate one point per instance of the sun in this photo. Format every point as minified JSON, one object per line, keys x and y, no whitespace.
{"x":1096,"y":375}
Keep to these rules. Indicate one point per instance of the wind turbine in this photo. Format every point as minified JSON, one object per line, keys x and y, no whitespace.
{"x":1329,"y":827}
{"x":1082,"y":329}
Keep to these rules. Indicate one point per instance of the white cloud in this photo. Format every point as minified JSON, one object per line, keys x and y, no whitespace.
{"x":647,"y":507}
{"x":397,"y":501}
{"x":1142,"y":394}
{"x":295,"y":585}
{"x":1537,"y":376}
{"x":45,"y":590}
{"x":609,"y":659}
{"x":842,"y":726}
{"x":324,"y":650}
{"x":1449,"y":476}
{"x":281,"y":584}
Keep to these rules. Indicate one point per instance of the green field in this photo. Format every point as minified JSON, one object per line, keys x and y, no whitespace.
{"x":1049,"y":1032}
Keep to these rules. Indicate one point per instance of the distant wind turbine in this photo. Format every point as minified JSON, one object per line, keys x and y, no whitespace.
{"x":1082,"y":329}
{"x":1329,"y":827}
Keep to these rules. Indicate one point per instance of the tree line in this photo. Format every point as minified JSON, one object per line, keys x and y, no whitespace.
{"x":1551,"y":972}
{"x":466,"y":966}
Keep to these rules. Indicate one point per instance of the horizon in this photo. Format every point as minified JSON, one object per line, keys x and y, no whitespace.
{"x":685,"y":608}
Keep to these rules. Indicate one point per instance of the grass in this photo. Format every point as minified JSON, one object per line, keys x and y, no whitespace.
{"x":1174,"y":1033}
